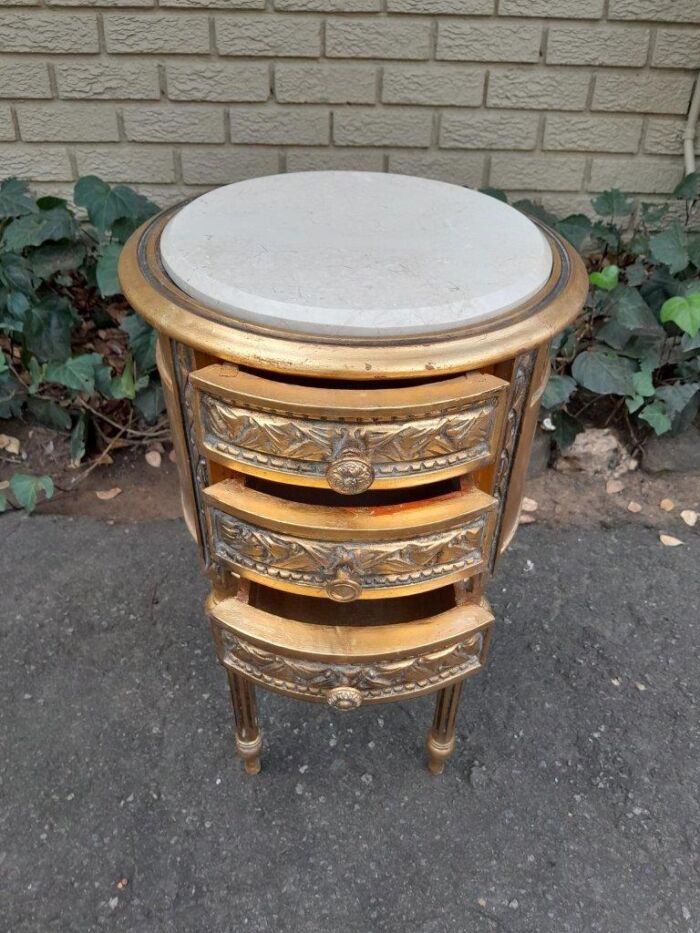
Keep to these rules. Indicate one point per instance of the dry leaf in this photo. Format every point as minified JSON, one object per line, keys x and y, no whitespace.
{"x":614,"y":485}
{"x":156,"y":445}
{"x":9,"y":443}
{"x":529,"y":505}
{"x":667,"y":505}
{"x":106,"y":494}
{"x":526,"y":519}
{"x":634,"y":506}
{"x":153,"y":458}
{"x":640,"y":687}
{"x":4,"y":484}
{"x":689,"y":517}
{"x":172,"y":456}
{"x":104,"y":459}
{"x":669,"y":540}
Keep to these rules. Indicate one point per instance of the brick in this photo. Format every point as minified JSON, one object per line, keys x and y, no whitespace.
{"x":459,"y":168}
{"x":642,"y":93}
{"x":591,"y":45}
{"x":541,"y":173}
{"x":225,"y":81}
{"x":289,"y":36}
{"x":24,"y":79}
{"x":319,"y":84}
{"x":100,"y":3}
{"x":161,"y":33}
{"x":552,"y":9}
{"x":677,"y":48}
{"x":354,"y":127}
{"x":222,"y":165}
{"x":377,"y":38}
{"x":39,"y":163}
{"x":440,"y":86}
{"x":48,"y":32}
{"x":174,"y":125}
{"x":169,"y":195}
{"x":538,"y":90}
{"x":214,"y":4}
{"x":19,"y":2}
{"x":280,"y":126}
{"x":126,"y":163}
{"x":436,"y":7}
{"x":669,"y":11}
{"x":586,"y":133}
{"x":324,"y":160}
{"x":7,"y":127}
{"x":108,"y":80}
{"x":638,"y":176}
{"x":664,"y":136}
{"x":485,"y":130}
{"x":476,"y":41}
{"x":330,"y":6}
{"x":67,"y":122}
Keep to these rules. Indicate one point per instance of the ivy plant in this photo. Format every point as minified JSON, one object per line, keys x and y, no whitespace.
{"x":636,"y":346}
{"x":72,"y":353}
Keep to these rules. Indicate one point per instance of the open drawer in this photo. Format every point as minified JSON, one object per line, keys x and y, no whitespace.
{"x":348,"y":552}
{"x":347,"y":439}
{"x":272,"y":642}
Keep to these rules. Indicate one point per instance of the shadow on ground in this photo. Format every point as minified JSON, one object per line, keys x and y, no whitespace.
{"x":571,"y":803}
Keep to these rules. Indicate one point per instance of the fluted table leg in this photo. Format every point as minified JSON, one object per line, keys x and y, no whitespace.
{"x":441,"y":737}
{"x":245,"y":711}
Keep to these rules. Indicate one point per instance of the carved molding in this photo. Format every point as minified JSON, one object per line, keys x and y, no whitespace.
{"x":300,"y":445}
{"x":374,"y":680}
{"x":377,"y":564}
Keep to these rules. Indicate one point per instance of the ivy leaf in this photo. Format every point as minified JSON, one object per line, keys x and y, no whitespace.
{"x":565,"y":429}
{"x":684,"y":312}
{"x":105,"y":205}
{"x":558,"y":391}
{"x":636,"y":273}
{"x":671,"y":247}
{"x":687,"y":188}
{"x":15,"y":272}
{"x":612,"y":203}
{"x":47,"y":329}
{"x":142,"y":342}
{"x":49,"y":413}
{"x":123,"y":386}
{"x":26,"y":489}
{"x":3,"y":501}
{"x":495,"y":193}
{"x":634,"y":403}
{"x":655,"y":415}
{"x":653,"y":214}
{"x":12,"y":395}
{"x":643,"y":384}
{"x":76,"y":373}
{"x":18,"y":305}
{"x":107,"y":278}
{"x":51,"y":258}
{"x":576,"y":228}
{"x":632,"y":312}
{"x":35,"y":229}
{"x":694,"y":249}
{"x":15,"y":200}
{"x":606,"y":279}
{"x":613,"y":334}
{"x":77,"y":438}
{"x":677,"y":396}
{"x":604,"y":372}
{"x":528,"y":207}
{"x":150,"y":402}
{"x":609,"y":234}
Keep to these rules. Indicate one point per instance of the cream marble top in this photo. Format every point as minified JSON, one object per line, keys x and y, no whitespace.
{"x":354,"y":253}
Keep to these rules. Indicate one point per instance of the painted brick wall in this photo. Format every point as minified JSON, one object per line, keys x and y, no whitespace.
{"x":550,"y":98}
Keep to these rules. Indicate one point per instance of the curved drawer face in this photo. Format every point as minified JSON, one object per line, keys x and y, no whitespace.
{"x":368,"y":556}
{"x":362,"y":438}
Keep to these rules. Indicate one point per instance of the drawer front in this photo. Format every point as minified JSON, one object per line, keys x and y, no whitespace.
{"x":361,"y":440}
{"x":366,"y":559}
{"x":372,"y":664}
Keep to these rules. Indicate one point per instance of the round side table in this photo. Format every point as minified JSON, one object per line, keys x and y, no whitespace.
{"x":352,"y":364}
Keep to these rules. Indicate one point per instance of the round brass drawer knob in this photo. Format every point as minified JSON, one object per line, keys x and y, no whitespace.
{"x":344,"y":587}
{"x":344,"y":698}
{"x":350,"y":474}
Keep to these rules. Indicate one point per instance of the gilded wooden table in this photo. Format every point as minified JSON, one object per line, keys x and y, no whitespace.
{"x":352,"y":364}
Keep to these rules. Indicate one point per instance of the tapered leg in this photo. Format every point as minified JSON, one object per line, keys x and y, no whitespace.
{"x":245,"y":711}
{"x":441,"y":738}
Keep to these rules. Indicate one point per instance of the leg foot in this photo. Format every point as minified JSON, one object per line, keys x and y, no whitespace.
{"x":245,"y":711}
{"x":441,"y":738}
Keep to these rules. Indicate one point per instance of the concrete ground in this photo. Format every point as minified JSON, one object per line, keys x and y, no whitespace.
{"x":571,"y":804}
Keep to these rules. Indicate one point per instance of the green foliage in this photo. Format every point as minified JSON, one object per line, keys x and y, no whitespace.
{"x":69,"y":345}
{"x":638,"y":338}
